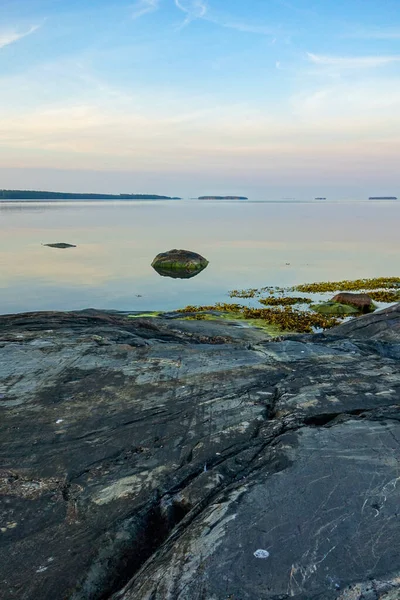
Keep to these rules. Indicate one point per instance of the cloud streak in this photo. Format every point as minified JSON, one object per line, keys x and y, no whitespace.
{"x":198,"y":9}
{"x":194,"y":9}
{"x":352,"y":62}
{"x":142,"y":7}
{"x":247,"y":28}
{"x":374,"y":34}
{"x":10,"y":36}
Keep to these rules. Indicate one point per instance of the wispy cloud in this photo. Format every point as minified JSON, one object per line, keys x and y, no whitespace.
{"x":142,"y":7}
{"x":9,"y":36}
{"x":194,"y":9}
{"x":352,"y":62}
{"x":198,"y":9}
{"x":373,"y":99}
{"x":374,"y":34}
{"x":246,"y":27}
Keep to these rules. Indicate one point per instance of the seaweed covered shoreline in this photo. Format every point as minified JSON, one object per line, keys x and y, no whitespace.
{"x":284,"y":311}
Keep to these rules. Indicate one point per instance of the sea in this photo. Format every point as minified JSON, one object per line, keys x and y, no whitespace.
{"x":249,"y":244}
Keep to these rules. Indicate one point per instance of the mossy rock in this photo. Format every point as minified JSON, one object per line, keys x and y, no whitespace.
{"x":334,"y":308}
{"x":179,"y":264}
{"x":362,"y":302}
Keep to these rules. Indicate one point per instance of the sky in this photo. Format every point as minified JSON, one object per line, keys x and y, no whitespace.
{"x":263,"y":98}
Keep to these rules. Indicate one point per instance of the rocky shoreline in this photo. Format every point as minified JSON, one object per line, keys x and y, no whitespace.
{"x":166,"y":459}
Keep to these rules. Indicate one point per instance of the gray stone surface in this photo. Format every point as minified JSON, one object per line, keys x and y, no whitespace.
{"x":156,"y":459}
{"x":383,"y":325}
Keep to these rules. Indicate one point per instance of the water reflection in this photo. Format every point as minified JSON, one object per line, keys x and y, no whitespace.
{"x":247,"y":244}
{"x":178,"y":273}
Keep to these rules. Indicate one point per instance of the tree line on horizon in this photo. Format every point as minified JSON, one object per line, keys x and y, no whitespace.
{"x":43,"y":195}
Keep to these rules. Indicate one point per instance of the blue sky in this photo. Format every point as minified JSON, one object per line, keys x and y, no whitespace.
{"x":267,"y":98}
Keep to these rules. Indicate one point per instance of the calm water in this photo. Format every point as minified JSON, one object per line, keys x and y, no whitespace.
{"x":248,"y":244}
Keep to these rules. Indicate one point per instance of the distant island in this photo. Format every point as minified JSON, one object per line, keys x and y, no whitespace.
{"x":222,"y":198}
{"x":42,"y":195}
{"x":382,"y":198}
{"x":321,"y":198}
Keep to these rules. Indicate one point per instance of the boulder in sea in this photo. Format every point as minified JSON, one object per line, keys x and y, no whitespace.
{"x":335,"y":308}
{"x":362,"y":302}
{"x":60,"y":245}
{"x":179,"y":264}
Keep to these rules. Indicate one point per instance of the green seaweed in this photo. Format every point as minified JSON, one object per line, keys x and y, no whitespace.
{"x":384,"y":296}
{"x":281,"y":314}
{"x":283,"y":319}
{"x":254,"y":292}
{"x":284,"y":301}
{"x":348,"y":285}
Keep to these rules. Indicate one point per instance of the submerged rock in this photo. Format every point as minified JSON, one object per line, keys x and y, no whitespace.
{"x":181,"y":460}
{"x":180,"y":264}
{"x":60,"y":245}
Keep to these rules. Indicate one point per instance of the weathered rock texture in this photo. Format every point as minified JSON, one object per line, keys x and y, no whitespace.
{"x":151,"y":459}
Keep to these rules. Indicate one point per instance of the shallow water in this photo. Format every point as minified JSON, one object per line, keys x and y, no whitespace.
{"x":248,"y":244}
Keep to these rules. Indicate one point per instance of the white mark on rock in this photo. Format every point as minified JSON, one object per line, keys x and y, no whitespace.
{"x":261,"y":553}
{"x":59,"y":421}
{"x":41,"y":569}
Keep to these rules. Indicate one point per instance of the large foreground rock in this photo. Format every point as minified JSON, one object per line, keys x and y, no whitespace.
{"x":164,"y":459}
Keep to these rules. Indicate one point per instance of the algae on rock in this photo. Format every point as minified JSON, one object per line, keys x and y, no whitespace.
{"x":334,"y":308}
{"x":179,"y":264}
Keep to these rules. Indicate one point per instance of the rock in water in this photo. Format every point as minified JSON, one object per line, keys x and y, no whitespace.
{"x":60,"y":245}
{"x":181,"y":264}
{"x":360,"y":301}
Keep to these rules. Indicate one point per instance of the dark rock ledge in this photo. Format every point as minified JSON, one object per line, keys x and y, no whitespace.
{"x":152,"y":459}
